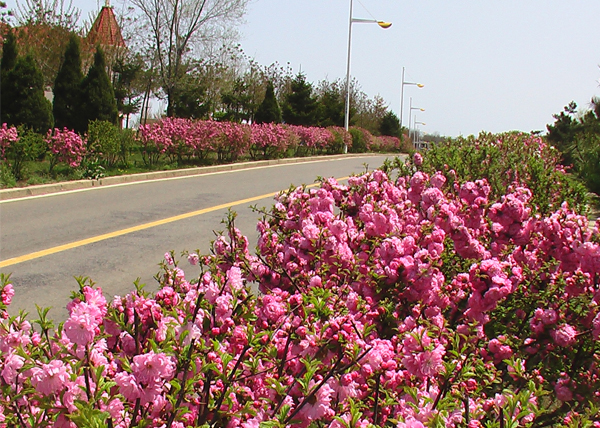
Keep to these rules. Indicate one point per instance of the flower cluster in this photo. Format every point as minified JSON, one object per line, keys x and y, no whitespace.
{"x":403,"y":303}
{"x":7,"y":136}
{"x":66,"y":146}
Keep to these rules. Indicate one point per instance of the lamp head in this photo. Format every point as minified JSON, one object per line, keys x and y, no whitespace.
{"x":383,"y":24}
{"x":420,"y":85}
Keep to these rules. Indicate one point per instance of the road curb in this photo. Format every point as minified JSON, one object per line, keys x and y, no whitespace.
{"x":44,"y":189}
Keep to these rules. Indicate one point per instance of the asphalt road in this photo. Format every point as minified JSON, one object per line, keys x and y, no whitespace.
{"x":115,"y":234}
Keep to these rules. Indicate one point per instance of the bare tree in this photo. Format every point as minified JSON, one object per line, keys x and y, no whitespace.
{"x":179,"y":28}
{"x":48,"y":12}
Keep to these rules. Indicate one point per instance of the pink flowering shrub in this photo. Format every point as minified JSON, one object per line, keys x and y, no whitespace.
{"x":506,"y":160}
{"x":269,"y":139}
{"x":187,"y":139}
{"x":403,"y":303}
{"x":8,"y":136}
{"x":311,"y":138}
{"x":385,"y":143}
{"x":65,"y":146}
{"x":233,"y":140}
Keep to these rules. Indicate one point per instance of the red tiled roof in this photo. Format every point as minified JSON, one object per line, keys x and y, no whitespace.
{"x":105,"y":30}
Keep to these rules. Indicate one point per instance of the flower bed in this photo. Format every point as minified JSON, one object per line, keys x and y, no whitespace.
{"x":402,"y":302}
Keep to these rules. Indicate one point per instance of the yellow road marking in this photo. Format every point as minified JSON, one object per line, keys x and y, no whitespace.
{"x":71,"y":245}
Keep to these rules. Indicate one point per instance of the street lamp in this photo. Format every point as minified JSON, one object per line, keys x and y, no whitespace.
{"x":382,"y":24}
{"x":419,"y":85}
{"x":410,"y":114}
{"x":418,"y":132}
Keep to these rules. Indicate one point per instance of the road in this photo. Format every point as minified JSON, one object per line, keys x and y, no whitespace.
{"x":115,"y":234}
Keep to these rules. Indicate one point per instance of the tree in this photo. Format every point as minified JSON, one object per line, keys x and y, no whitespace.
{"x":562,"y":134}
{"x":300,"y":108}
{"x":369,"y":113}
{"x":9,"y":52}
{"x":178,"y":28}
{"x":237,"y":102}
{"x":9,"y":59}
{"x":128,"y":72}
{"x":25,"y":89}
{"x":47,"y":28}
{"x":331,"y":104}
{"x":189,"y":99}
{"x":97,"y":96}
{"x":390,"y":125}
{"x":67,"y":89}
{"x":268,"y":111}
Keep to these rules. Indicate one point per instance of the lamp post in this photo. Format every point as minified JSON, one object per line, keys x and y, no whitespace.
{"x":410,"y":114}
{"x":382,"y":24}
{"x":418,"y":131}
{"x":419,"y":85}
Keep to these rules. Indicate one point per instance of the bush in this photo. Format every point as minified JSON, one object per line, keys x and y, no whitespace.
{"x":105,"y":142}
{"x":65,"y":146}
{"x":341,"y":139}
{"x":401,"y":303}
{"x":359,"y":140}
{"x":20,"y":146}
{"x":507,"y":160}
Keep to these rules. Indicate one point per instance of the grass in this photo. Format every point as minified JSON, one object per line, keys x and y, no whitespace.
{"x":37,"y":172}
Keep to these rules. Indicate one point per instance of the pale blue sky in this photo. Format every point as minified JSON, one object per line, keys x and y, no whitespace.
{"x":492,"y":65}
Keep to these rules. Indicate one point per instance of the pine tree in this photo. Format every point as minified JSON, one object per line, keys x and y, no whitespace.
{"x":331,"y":106}
{"x":9,"y":52}
{"x":67,"y":89}
{"x":300,"y":108}
{"x":390,"y":125}
{"x":268,"y":111}
{"x":9,"y":59}
{"x":25,"y":89}
{"x":97,"y":96}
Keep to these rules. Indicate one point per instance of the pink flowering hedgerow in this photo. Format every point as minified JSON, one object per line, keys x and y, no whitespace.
{"x":397,"y":303}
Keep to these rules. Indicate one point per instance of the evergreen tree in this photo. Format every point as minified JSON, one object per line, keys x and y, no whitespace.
{"x":390,"y":125}
{"x":9,"y":52}
{"x":25,"y":89}
{"x":331,"y":107}
{"x":300,"y":108}
{"x":268,"y":111}
{"x":67,"y":87}
{"x":9,"y":59}
{"x":97,"y":96}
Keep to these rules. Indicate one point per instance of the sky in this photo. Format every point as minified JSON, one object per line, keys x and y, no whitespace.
{"x":491,"y":65}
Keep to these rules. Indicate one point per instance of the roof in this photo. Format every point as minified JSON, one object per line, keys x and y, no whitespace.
{"x":105,"y":31}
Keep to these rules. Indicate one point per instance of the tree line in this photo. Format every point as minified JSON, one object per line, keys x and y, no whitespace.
{"x":576,"y":134}
{"x":197,"y":77}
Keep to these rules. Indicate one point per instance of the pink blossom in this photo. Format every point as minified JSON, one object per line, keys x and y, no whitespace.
{"x":151,"y":367}
{"x":418,"y":159}
{"x":8,"y":292}
{"x":563,"y":392}
{"x":193,"y":259}
{"x":272,"y":308}
{"x":564,"y":335}
{"x":12,"y":364}
{"x":128,"y":386}
{"x":410,"y":422}
{"x":321,"y":407}
{"x":50,"y":378}
{"x":81,"y":325}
